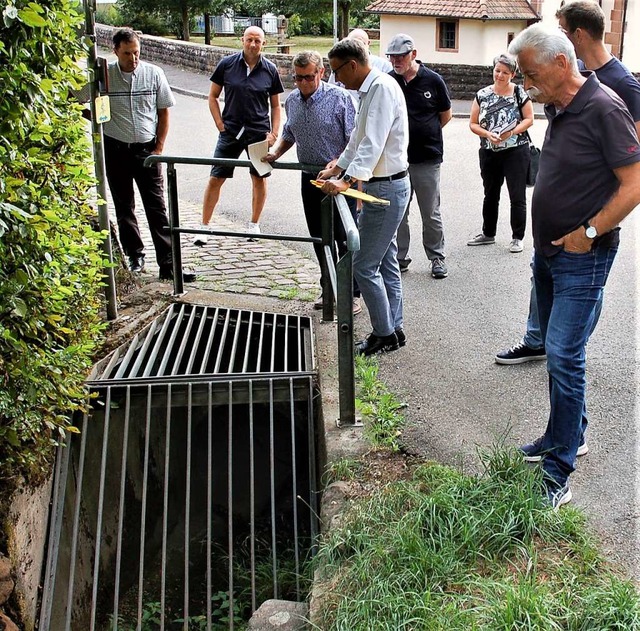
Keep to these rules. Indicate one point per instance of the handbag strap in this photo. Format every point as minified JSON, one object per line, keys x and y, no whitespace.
{"x":517,"y":94}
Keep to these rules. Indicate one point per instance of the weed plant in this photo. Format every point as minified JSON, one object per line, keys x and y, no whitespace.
{"x":449,"y":551}
{"x":380,"y":408}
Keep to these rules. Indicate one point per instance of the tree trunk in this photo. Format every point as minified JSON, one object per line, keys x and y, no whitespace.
{"x":185,"y":22}
{"x":343,"y":19}
{"x":207,"y":29}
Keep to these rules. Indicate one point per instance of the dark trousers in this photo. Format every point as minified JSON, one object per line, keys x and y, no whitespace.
{"x":495,"y":167}
{"x":124,"y":165}
{"x":312,"y":203}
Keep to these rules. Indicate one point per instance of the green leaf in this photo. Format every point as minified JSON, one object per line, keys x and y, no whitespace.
{"x":31,"y":18}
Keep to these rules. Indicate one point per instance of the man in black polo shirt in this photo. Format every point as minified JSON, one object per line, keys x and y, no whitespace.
{"x":429,"y":108}
{"x":251,"y":85}
{"x":588,"y":182}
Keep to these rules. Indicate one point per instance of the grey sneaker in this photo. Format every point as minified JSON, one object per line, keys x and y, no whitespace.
{"x":558,"y":495}
{"x":533,"y":452}
{"x":357,"y":307}
{"x":515,"y":246}
{"x":253,"y":228}
{"x":481,"y":239}
{"x":439,"y":269}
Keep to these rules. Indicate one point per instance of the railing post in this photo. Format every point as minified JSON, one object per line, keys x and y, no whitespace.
{"x":344,"y":299}
{"x":326,"y":224}
{"x":346,"y":370}
{"x":174,"y":222}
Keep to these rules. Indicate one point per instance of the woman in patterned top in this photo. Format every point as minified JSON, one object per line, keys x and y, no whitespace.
{"x":500,"y":114}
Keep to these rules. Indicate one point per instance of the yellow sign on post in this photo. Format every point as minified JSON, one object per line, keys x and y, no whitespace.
{"x":103,"y":110}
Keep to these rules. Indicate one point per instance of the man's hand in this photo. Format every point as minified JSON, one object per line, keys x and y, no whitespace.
{"x":220,"y":127}
{"x":327,"y":174}
{"x":270,"y":157}
{"x":333,"y":187}
{"x":576,"y":242}
{"x":271,"y":138}
{"x":157,"y":150}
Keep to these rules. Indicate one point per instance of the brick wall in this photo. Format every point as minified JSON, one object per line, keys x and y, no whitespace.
{"x":463,"y":81}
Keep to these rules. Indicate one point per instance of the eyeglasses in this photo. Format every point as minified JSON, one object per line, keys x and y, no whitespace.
{"x":304,"y":77}
{"x":339,"y":68}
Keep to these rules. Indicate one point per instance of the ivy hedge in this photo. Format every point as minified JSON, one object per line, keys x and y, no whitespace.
{"x":51,"y":262}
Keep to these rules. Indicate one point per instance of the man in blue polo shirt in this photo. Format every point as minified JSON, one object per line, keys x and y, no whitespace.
{"x":429,"y":109}
{"x":588,"y":182}
{"x":583,"y":22}
{"x":251,"y":85}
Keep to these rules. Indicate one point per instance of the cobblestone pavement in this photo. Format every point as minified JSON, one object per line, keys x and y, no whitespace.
{"x":228,"y":264}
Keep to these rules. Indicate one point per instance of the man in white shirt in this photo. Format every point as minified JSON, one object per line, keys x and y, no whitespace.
{"x":377,"y":156}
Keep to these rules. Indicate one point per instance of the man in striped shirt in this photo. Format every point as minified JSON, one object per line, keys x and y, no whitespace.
{"x":139,"y":99}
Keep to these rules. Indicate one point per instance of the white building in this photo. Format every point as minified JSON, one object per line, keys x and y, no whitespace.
{"x":475,"y":31}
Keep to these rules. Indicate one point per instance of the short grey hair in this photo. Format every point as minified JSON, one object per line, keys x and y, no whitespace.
{"x":347,"y":49}
{"x":548,"y":42}
{"x":306,"y":57}
{"x":506,"y":60}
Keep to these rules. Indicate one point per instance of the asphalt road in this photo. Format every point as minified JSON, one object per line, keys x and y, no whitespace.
{"x":458,"y":399}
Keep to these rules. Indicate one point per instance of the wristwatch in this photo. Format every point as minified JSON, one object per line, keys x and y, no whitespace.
{"x":347,"y":178}
{"x":589,"y":230}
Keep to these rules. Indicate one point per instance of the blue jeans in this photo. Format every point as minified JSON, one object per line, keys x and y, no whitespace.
{"x":569,"y":291}
{"x":533,"y":337}
{"x":375,"y":265}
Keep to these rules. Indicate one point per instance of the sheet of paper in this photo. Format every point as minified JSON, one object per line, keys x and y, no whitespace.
{"x":257,"y":151}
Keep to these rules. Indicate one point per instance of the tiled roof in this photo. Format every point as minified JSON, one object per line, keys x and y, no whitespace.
{"x":472,"y":9}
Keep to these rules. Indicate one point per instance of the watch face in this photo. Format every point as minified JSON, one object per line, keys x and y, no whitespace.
{"x":591,"y":232}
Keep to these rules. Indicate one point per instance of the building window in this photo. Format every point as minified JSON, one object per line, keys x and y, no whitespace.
{"x":510,"y":37}
{"x":447,"y":34}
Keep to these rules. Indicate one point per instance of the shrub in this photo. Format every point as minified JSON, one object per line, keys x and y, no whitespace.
{"x":50,"y":279}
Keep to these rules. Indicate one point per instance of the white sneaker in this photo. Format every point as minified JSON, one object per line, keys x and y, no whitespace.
{"x":253,"y":228}
{"x":357,"y":307}
{"x":516,"y":246}
{"x":201,"y":239}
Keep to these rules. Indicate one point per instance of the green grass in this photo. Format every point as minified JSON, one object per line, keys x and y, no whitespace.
{"x":449,"y":551}
{"x":298,"y":43}
{"x":379,"y":408}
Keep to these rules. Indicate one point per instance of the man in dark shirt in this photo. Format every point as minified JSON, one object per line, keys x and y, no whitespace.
{"x":588,"y":182}
{"x":583,"y":23}
{"x":251,"y":85}
{"x":429,"y":109}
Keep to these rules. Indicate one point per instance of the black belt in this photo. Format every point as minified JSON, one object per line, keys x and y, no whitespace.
{"x":131,"y":145}
{"x":390,"y":178}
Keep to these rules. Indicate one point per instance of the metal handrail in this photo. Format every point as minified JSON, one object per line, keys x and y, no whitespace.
{"x":337,"y":273}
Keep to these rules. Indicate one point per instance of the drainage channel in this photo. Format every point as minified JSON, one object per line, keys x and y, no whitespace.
{"x":189,"y":496}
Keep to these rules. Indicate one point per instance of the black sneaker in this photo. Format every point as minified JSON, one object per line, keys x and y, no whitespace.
{"x":374,"y":344}
{"x":402,"y":337}
{"x":533,"y":452}
{"x":136,"y":264}
{"x":519,"y":354}
{"x":166,"y":273}
{"x":439,"y":269}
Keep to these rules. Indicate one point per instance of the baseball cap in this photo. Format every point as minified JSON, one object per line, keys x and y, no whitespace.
{"x":400,"y":44}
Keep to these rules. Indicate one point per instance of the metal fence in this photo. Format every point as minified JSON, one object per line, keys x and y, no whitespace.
{"x":189,"y":495}
{"x":337,"y":273}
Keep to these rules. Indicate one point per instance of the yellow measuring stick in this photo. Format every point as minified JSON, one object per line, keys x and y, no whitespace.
{"x":352,"y":192}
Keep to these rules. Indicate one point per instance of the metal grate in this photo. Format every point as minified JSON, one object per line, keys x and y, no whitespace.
{"x":193,"y":477}
{"x":193,"y":340}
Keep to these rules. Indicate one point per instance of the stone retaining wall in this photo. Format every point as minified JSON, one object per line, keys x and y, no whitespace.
{"x":463,"y":81}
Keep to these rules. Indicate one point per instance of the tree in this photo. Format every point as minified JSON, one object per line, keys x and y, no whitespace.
{"x":314,"y":10}
{"x":141,"y":13}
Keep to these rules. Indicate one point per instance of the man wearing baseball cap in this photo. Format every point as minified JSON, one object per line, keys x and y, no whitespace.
{"x":429,"y":109}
